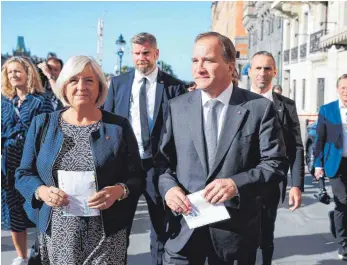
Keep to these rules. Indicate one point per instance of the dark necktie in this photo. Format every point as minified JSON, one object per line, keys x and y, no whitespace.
{"x":211,"y":132}
{"x":144,"y":116}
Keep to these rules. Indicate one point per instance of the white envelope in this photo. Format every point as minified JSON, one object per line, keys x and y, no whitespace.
{"x":79,"y":186}
{"x":203,"y":212}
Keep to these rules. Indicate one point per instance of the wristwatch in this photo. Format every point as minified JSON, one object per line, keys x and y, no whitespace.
{"x":52,"y":77}
{"x":125,"y":191}
{"x":36,"y":194}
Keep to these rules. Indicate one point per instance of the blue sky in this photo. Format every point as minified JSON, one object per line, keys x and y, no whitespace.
{"x":69,"y":28}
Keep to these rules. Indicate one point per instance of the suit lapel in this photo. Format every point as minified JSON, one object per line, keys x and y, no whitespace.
{"x":195,"y":118}
{"x":232,"y":122}
{"x":279,"y":107}
{"x":158,"y":96}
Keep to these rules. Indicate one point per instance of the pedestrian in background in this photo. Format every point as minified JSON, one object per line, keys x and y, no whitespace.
{"x":21,"y":100}
{"x":82,"y":139}
{"x":51,"y":69}
{"x":190,"y":86}
{"x":330,"y":158}
{"x":262,"y":71}
{"x":277,"y":89}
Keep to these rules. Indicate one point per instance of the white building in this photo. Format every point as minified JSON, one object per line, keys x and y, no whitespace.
{"x":336,"y":44}
{"x":314,"y":51}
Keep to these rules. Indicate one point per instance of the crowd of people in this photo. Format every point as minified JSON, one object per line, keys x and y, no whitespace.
{"x":147,"y":133}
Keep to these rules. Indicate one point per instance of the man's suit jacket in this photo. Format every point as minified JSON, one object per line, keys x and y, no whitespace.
{"x":118,"y":101}
{"x":288,"y":118}
{"x":250,"y":150}
{"x":329,"y":140}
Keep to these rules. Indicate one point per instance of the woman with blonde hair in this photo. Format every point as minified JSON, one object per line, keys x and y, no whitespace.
{"x":86,"y":178}
{"x":21,"y":101}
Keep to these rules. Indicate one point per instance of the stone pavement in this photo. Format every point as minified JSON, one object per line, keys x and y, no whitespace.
{"x":302,"y":237}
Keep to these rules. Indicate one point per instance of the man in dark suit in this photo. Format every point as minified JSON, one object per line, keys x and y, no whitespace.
{"x":331,"y":158}
{"x":227,"y":142}
{"x":142,"y":97}
{"x":262,"y":71}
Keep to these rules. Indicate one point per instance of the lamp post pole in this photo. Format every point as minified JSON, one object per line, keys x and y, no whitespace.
{"x":120,"y":42}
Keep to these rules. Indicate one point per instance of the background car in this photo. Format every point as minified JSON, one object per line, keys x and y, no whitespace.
{"x":309,"y":145}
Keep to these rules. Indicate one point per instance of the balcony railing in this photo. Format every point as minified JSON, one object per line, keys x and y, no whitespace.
{"x":286,"y":56}
{"x":303,"y":50}
{"x":314,"y":41}
{"x":294,"y":53}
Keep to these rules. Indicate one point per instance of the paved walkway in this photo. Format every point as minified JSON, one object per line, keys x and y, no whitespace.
{"x":302,"y":237}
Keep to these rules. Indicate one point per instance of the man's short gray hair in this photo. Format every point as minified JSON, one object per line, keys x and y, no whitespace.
{"x":267,"y":54}
{"x":228,"y":48}
{"x":144,"y":37}
{"x":74,"y":66}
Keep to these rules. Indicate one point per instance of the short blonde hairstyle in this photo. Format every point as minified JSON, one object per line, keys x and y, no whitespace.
{"x":34,"y":83}
{"x":74,"y":66}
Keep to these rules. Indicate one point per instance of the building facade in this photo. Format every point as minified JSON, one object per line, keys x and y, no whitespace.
{"x":265,"y":33}
{"x":227,"y":20}
{"x":335,"y":43}
{"x":314,"y":54}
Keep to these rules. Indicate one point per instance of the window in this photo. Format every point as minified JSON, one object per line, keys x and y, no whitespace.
{"x":279,"y":22}
{"x":303,"y":94}
{"x":272,"y":25}
{"x":294,"y":89}
{"x":279,"y":67}
{"x":262,"y":30}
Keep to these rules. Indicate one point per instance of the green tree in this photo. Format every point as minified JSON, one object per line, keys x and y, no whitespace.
{"x":126,"y":69}
{"x":165,"y":67}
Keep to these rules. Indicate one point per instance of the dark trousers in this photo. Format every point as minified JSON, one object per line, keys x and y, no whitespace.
{"x":158,"y":235}
{"x":199,"y":248}
{"x":268,"y":219}
{"x":339,"y":188}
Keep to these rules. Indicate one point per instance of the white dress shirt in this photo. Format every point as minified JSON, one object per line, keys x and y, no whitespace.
{"x":134,"y":117}
{"x":224,"y":99}
{"x":267,"y":95}
{"x":221,"y":109}
{"x":343,"y":113}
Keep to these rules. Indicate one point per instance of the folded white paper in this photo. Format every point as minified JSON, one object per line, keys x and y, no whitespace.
{"x":203,"y":212}
{"x":79,"y":186}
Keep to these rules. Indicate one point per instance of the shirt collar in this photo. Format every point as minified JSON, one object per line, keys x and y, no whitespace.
{"x":152,"y":77}
{"x":267,"y":95}
{"x":224,"y":97}
{"x":341,"y":106}
{"x":27,"y":97}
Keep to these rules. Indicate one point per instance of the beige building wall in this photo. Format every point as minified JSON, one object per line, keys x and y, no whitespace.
{"x":227,"y":17}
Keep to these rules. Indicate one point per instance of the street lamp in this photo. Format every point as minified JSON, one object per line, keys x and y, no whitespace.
{"x":120,"y":50}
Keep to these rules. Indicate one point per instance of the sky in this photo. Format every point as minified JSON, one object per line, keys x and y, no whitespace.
{"x":69,"y":28}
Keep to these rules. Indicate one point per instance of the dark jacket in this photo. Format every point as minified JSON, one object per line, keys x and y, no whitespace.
{"x":116,"y":159}
{"x":118,"y":102}
{"x":250,"y":151}
{"x":288,"y":118}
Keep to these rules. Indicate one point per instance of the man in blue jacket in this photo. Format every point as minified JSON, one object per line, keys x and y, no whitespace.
{"x":331,"y":157}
